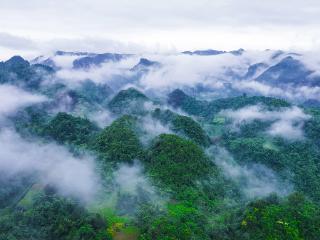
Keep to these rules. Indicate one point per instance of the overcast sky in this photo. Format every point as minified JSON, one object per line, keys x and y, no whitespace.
{"x":159,"y":25}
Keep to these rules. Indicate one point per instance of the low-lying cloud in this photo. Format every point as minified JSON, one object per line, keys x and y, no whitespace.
{"x":151,"y":129}
{"x":223,"y":73}
{"x":13,"y":98}
{"x":99,"y":74}
{"x":131,"y":177}
{"x":134,"y":188}
{"x":16,"y":42}
{"x":254,"y":180}
{"x":50,"y":163}
{"x":102,"y":118}
{"x":286,"y":122}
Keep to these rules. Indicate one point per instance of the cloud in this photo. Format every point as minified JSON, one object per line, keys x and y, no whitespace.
{"x":219,"y":76}
{"x":254,"y":25}
{"x":163,"y":14}
{"x":15,"y":42}
{"x":295,"y":94}
{"x":98,"y":44}
{"x":131,"y":177}
{"x":52,"y":164}
{"x":287,"y":130}
{"x":151,"y":129}
{"x":254,"y":181}
{"x":184,"y":70}
{"x":286,"y":122}
{"x":99,"y":74}
{"x":102,"y":118}
{"x":13,"y":98}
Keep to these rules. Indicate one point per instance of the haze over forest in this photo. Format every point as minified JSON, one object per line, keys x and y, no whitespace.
{"x":159,"y":121}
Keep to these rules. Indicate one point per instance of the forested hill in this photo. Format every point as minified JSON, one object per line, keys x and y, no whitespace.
{"x":110,"y":158}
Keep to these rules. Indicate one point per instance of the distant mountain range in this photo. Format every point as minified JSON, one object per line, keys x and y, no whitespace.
{"x":270,"y":74}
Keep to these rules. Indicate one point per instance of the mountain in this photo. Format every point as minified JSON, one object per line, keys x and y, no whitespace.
{"x":288,"y":71}
{"x":207,"y":109}
{"x":18,"y":71}
{"x":176,"y":148}
{"x":255,"y":69}
{"x":208,"y":52}
{"x":183,"y":125}
{"x":63,"y":53}
{"x":128,"y":101}
{"x":98,"y":59}
{"x":144,"y":65}
{"x":211,"y":52}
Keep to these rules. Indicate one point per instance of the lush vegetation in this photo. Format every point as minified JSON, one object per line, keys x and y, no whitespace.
{"x":183,"y":125}
{"x":205,"y":109}
{"x":178,"y":163}
{"x":52,"y":217}
{"x":128,"y":101}
{"x":65,"y":128}
{"x":292,"y":218}
{"x":119,"y":142}
{"x":176,"y":186}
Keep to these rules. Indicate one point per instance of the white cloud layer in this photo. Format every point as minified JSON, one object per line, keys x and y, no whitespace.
{"x":219,"y":75}
{"x":254,"y":181}
{"x":51,"y":163}
{"x":286,"y":122}
{"x":224,"y":24}
{"x":13,"y":98}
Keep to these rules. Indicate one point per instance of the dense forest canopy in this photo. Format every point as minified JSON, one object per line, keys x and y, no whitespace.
{"x":121,"y":159}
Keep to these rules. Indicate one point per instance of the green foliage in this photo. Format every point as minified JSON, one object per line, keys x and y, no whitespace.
{"x":18,"y":71}
{"x":13,"y":188}
{"x":94,"y":93}
{"x":129,"y":101}
{"x":177,"y":163}
{"x":207,"y":110}
{"x":192,"y":129}
{"x":298,"y":158}
{"x":51,"y":217}
{"x":180,"y":221}
{"x":293,"y":219}
{"x":31,"y":120}
{"x":119,"y":142}
{"x":253,"y":150}
{"x":199,"y":202}
{"x":312,"y":127}
{"x":179,"y":99}
{"x":65,"y":128}
{"x":183,"y":125}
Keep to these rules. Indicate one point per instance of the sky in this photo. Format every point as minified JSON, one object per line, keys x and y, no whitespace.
{"x":37,"y":26}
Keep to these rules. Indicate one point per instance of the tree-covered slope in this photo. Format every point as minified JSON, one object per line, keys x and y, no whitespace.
{"x":178,"y":163}
{"x":183,"y":125}
{"x":207,"y":109}
{"x":90,"y":162}
{"x":128,"y":101}
{"x":65,"y":128}
{"x":119,"y":142}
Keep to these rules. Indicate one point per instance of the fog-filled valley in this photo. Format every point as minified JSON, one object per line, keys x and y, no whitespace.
{"x":200,"y":144}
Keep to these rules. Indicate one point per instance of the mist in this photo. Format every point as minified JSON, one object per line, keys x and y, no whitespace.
{"x":130,"y":177}
{"x":13,"y":98}
{"x":255,"y":180}
{"x":50,"y":164}
{"x":220,"y":75}
{"x":99,"y":74}
{"x":131,"y":189}
{"x":285,"y":122}
{"x":152,"y":128}
{"x":102,"y":118}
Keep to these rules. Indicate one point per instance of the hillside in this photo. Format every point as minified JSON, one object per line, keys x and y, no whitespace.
{"x":87,"y":160}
